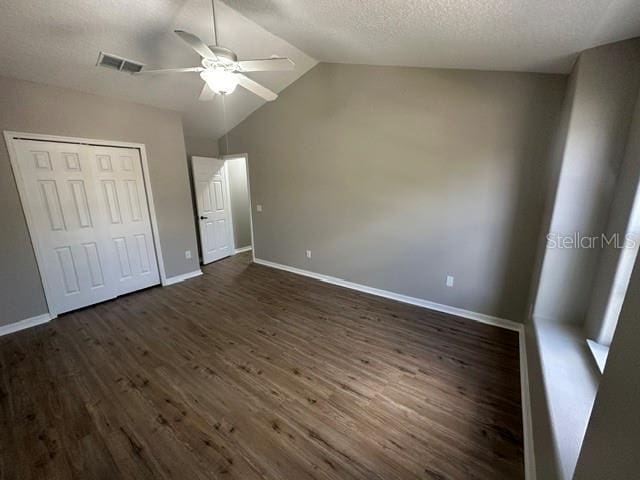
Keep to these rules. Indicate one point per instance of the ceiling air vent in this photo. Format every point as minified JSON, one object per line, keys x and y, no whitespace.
{"x":118,"y":63}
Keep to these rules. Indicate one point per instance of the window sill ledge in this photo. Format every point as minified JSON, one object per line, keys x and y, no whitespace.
{"x":570,"y":384}
{"x":599,"y":353}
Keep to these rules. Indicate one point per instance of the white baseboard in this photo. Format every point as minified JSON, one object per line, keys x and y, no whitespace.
{"x":181,"y":278}
{"x":243,"y":249}
{"x":479,"y":317}
{"x":529,"y":459}
{"x":26,"y":323}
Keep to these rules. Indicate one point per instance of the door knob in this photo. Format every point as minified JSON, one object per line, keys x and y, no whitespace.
{"x":203,"y":218}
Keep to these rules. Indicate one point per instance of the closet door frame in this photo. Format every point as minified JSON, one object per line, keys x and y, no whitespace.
{"x":10,"y":136}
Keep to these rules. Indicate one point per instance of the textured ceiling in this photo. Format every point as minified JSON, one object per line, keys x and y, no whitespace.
{"x":57,"y":43}
{"x":521,"y":35}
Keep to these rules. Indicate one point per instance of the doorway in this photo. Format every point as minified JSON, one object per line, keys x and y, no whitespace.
{"x":240,"y":202}
{"x":222,"y":206}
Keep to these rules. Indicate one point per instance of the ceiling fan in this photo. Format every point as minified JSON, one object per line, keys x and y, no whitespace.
{"x":221,"y":70}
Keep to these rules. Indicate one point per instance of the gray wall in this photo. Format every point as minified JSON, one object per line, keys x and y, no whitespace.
{"x":30,"y":107}
{"x":612,"y":276}
{"x":607,"y":80}
{"x":201,"y":147}
{"x":396,"y":177}
{"x":240,"y":207}
{"x":610,"y":447}
{"x":556,"y":158}
{"x":589,"y":173}
{"x":546,"y":455}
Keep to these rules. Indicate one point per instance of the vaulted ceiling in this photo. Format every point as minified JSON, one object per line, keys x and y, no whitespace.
{"x":57,"y":42}
{"x":521,"y":35}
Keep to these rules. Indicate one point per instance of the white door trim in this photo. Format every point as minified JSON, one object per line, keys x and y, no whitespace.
{"x":227,"y":187}
{"x":10,"y":137}
{"x":246,"y":164}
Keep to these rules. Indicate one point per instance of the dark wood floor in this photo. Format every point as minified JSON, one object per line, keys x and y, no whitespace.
{"x":249,"y":372}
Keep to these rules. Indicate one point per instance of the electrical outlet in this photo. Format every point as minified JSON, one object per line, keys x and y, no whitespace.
{"x":259,"y":208}
{"x":450,"y":281}
{"x":187,"y":254}
{"x":308,"y":253}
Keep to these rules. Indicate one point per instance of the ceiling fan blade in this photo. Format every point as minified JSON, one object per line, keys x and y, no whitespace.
{"x":207,"y":94}
{"x":255,"y":87}
{"x":198,"y":45}
{"x":267,"y":65}
{"x":169,"y":70}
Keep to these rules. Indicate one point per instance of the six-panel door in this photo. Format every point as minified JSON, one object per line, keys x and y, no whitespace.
{"x":121,"y":189}
{"x":212,"y":198}
{"x":88,"y":208}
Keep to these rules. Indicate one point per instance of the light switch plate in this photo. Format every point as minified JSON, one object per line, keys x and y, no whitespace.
{"x":259,"y":208}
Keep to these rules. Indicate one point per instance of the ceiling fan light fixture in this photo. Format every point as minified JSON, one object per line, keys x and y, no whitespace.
{"x":220,"y":81}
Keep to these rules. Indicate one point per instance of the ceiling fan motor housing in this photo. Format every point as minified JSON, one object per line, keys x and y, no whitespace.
{"x":224,"y":53}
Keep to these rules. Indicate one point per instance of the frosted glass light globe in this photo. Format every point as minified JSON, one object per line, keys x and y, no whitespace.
{"x":220,"y":81}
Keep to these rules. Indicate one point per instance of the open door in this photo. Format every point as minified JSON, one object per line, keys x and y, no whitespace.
{"x":213,"y":208}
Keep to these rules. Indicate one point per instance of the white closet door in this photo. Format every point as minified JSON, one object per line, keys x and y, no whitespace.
{"x":69,"y":223}
{"x":121,"y":190}
{"x":214,"y":210}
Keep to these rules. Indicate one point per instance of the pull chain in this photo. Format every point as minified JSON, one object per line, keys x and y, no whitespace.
{"x":224,"y":125}
{"x":224,"y":106}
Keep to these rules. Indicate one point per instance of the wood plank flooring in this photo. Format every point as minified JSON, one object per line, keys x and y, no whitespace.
{"x":252,"y":373}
